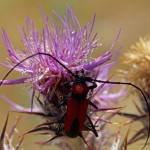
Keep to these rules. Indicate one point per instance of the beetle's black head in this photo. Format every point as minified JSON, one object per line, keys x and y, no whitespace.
{"x":80,"y":78}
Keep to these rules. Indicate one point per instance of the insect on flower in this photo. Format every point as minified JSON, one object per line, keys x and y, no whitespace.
{"x":77,"y":104}
{"x":60,"y":53}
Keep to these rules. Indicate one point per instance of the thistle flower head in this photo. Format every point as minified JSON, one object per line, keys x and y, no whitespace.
{"x":71,"y":45}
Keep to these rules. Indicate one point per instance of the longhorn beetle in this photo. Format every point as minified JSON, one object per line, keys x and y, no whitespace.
{"x":78,"y":101}
{"x":77,"y":106}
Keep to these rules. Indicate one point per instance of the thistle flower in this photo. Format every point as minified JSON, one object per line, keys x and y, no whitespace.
{"x":138,"y":70}
{"x":72,"y":45}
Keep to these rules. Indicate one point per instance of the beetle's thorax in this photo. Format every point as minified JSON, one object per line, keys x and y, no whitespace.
{"x":79,"y":91}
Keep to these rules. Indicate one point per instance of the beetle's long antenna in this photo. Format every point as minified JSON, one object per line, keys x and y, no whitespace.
{"x":140,"y":90}
{"x":40,"y":53}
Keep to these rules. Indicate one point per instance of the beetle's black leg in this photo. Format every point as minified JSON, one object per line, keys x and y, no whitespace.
{"x":80,"y":134}
{"x":93,"y":86}
{"x":92,"y":126}
{"x":92,"y":104}
{"x":89,"y":128}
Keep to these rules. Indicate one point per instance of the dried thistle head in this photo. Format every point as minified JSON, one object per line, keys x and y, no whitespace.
{"x":138,"y":65}
{"x":137,"y":61}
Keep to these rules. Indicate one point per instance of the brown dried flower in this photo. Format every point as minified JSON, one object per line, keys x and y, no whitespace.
{"x":138,"y":71}
{"x":138,"y":60}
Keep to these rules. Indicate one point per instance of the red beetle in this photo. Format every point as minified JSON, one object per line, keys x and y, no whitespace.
{"x":77,"y":106}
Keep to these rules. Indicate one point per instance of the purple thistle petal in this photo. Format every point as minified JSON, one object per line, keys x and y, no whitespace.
{"x":17,"y":107}
{"x":110,"y":98}
{"x":11,"y":82}
{"x":97,"y":62}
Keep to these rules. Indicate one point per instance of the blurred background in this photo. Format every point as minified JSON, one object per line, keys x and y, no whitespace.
{"x":111,"y":15}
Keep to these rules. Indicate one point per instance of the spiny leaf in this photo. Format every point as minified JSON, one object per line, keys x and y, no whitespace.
{"x":3,"y":133}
